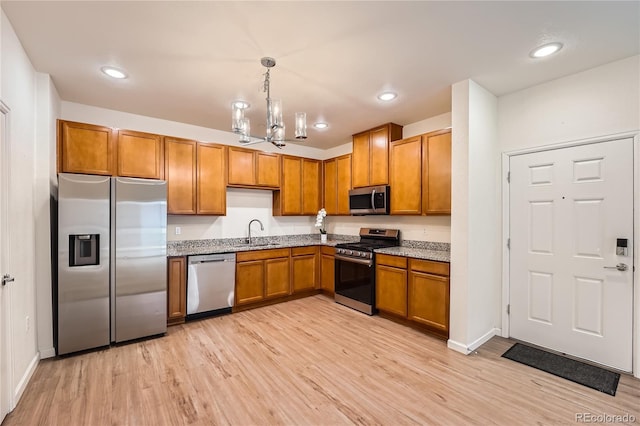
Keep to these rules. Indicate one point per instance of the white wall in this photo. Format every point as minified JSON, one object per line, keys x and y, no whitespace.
{"x":48,"y":109}
{"x":598,"y":102}
{"x":475,"y":221}
{"x":19,"y":93}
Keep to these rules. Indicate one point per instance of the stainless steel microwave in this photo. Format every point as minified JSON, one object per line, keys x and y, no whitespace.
{"x":369,"y":200}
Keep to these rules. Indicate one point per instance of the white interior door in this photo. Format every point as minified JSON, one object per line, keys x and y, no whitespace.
{"x":567,"y":209}
{"x":5,"y":342}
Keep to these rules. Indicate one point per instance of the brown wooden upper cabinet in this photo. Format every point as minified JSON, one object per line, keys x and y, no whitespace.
{"x":195,"y":174}
{"x":436,"y":175}
{"x":300,"y":187}
{"x":180,"y":172}
{"x":85,"y":148}
{"x":211,"y":179}
{"x":251,"y":168}
{"x":140,"y":155}
{"x":370,"y":158}
{"x":420,"y":174}
{"x":405,"y":176}
{"x":337,"y":183}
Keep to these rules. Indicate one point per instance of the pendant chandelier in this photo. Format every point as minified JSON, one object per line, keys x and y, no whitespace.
{"x":275,"y":125}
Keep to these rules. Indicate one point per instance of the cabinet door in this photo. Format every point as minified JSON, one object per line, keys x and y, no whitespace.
{"x":277,"y":282}
{"x":330,"y":186}
{"x":249,"y":282}
{"x":176,"y":290}
{"x":140,"y":155}
{"x":304,"y":272}
{"x":405,"y":170}
{"x":379,"y":166}
{"x":437,"y":174}
{"x":344,"y":183}
{"x":391,"y":290}
{"x":211,"y":173}
{"x":85,"y":148}
{"x":327,"y":272}
{"x":429,"y":300}
{"x":310,"y":186}
{"x":291,"y":190}
{"x":267,"y":169}
{"x":242,"y":167}
{"x":360,"y":160}
{"x":180,"y":174}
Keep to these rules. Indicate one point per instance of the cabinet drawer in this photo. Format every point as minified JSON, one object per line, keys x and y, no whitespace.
{"x":299,"y":251}
{"x":395,"y":261}
{"x":261,"y":254}
{"x":331,"y":251}
{"x":429,"y":267}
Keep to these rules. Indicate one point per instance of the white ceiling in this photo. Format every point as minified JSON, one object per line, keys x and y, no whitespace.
{"x":188,"y":60}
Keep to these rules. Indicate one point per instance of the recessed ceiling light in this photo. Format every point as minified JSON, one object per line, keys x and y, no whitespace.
{"x":387,"y":96}
{"x":320,"y":125}
{"x":114,"y":72}
{"x":545,"y":50}
{"x":240,"y":104}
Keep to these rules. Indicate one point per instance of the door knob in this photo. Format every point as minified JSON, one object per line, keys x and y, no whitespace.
{"x":620,"y":267}
{"x":6,"y":278}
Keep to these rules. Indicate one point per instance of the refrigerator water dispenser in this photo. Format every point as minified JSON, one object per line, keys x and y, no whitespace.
{"x":84,"y":249}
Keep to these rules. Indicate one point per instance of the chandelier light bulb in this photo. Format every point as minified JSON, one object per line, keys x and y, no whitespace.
{"x":301,"y":125}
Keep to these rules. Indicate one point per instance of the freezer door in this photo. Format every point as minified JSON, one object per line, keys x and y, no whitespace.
{"x":139,"y":270}
{"x":82,"y":320}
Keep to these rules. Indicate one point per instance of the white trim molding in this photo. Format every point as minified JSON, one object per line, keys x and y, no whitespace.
{"x":464,"y":349}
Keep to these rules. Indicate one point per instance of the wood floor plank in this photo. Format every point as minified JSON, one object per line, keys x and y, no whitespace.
{"x":305,"y":362}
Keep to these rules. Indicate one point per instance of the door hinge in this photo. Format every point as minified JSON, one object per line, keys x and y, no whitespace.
{"x":508,"y":177}
{"x":508,"y":309}
{"x":508,"y":243}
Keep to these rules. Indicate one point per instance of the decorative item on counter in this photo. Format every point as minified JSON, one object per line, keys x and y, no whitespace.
{"x":320,"y":223}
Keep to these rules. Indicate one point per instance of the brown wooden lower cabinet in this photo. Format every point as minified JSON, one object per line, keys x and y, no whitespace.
{"x":176,"y":290}
{"x":304,"y":267}
{"x":429,"y":294}
{"x":262,"y":274}
{"x":414,"y":289}
{"x":277,"y":281}
{"x":391,"y":284}
{"x":327,"y":269}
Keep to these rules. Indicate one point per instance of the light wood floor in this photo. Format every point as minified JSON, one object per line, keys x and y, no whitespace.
{"x":304,"y":362}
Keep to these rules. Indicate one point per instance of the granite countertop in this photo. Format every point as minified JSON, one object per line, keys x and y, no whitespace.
{"x":415,"y":249}
{"x":417,"y":253}
{"x":234,"y":245}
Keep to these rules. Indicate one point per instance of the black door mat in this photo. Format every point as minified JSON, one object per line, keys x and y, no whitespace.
{"x":587,"y":375}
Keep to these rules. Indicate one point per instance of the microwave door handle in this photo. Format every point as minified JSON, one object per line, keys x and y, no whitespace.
{"x":373,"y":195}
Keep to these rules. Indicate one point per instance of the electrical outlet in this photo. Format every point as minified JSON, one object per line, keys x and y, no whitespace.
{"x":424,"y":231}
{"x":27,"y":324}
{"x":178,"y":230}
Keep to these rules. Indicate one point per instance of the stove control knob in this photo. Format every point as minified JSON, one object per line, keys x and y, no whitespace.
{"x":363,"y":254}
{"x":349,"y":252}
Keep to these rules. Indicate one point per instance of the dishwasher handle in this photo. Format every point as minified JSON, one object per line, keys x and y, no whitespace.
{"x":211,"y":258}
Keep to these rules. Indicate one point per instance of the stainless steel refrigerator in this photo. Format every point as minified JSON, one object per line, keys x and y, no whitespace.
{"x":112,"y":277}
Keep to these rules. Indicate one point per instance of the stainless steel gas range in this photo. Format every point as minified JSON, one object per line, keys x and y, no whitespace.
{"x":355,"y":279}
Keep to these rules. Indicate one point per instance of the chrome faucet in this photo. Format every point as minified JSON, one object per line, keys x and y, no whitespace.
{"x":261,"y":228}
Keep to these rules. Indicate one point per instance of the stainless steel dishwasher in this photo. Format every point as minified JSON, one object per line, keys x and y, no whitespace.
{"x":211,"y":281}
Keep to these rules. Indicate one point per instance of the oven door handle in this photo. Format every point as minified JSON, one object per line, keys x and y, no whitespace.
{"x":367,"y":262}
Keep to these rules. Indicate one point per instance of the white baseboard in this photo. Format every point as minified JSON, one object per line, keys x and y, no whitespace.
{"x":467,"y":349}
{"x":458,"y":347}
{"x":484,"y":339}
{"x":24,"y":381}
{"x":47,"y":353}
